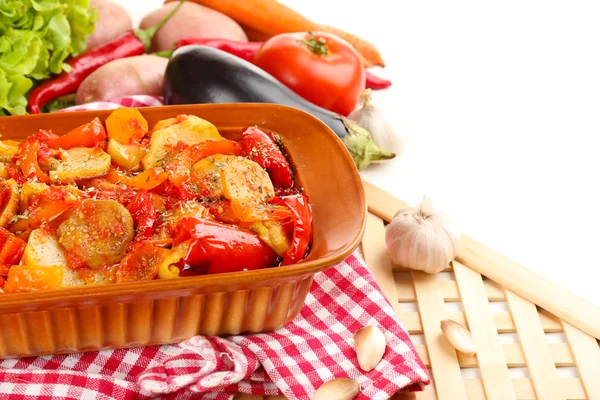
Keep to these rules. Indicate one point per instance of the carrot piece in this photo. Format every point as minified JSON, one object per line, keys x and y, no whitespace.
{"x":146,"y":180}
{"x":32,"y":278}
{"x":126,"y":125}
{"x":273,"y":18}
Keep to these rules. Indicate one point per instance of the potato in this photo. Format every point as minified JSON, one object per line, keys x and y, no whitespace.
{"x":9,"y":191}
{"x":113,"y":20}
{"x":126,"y":156}
{"x":191,"y":20}
{"x":44,"y":250}
{"x":80,"y":163}
{"x":248,"y":186}
{"x":98,"y":231}
{"x":28,"y":191}
{"x":3,"y":171}
{"x":273,"y":234}
{"x":190,"y":130}
{"x":207,"y":172}
{"x":7,"y":151}
{"x":124,"y":77}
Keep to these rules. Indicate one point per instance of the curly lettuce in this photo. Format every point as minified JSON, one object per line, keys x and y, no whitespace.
{"x":36,"y":37}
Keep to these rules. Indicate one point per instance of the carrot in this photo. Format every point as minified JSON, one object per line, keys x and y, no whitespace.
{"x":255,"y":35}
{"x":272,"y":18}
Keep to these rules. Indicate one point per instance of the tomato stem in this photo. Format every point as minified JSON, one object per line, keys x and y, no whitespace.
{"x":317,"y":46}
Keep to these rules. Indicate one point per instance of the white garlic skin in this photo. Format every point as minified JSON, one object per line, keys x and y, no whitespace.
{"x":383,"y":133}
{"x":369,"y":344}
{"x":421,"y":239}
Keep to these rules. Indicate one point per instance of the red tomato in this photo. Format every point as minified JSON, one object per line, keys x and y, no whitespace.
{"x":321,"y":67}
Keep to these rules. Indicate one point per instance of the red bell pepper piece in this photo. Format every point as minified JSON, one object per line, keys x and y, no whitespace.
{"x":259,"y":147}
{"x":11,"y":250}
{"x":302,"y":221}
{"x":15,"y":173}
{"x":141,"y":264}
{"x":27,"y":157}
{"x":179,"y":168}
{"x":217,"y":248}
{"x":144,"y":214}
{"x":45,"y":212}
{"x":86,"y":135}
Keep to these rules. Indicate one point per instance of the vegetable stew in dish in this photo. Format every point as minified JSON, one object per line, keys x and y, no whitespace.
{"x":120,"y":202}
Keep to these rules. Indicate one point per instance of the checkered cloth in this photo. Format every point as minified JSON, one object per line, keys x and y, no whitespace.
{"x":294,"y":360}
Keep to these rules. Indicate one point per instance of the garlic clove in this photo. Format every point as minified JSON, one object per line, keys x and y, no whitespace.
{"x":458,"y":336}
{"x":369,"y":343}
{"x":338,"y":389}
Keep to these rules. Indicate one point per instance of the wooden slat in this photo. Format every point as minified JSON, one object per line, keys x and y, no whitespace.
{"x":531,"y":286}
{"x":503,"y":320}
{"x":444,"y":362}
{"x":377,"y":259}
{"x":513,"y":353}
{"x":381,"y":203}
{"x":587,"y":357}
{"x":492,"y":364}
{"x":535,"y":347}
{"x":406,"y":292}
{"x":572,"y":388}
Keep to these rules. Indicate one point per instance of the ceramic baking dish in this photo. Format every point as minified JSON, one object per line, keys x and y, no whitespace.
{"x":167,"y":311}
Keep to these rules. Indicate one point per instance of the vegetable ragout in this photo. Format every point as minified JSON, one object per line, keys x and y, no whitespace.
{"x":119,"y":202}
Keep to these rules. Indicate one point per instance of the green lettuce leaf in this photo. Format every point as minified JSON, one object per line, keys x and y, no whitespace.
{"x":36,"y":39}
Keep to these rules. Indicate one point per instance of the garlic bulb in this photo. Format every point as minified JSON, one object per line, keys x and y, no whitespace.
{"x":419,"y":238}
{"x":382,"y":132}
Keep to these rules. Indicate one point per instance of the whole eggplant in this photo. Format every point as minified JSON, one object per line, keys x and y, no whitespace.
{"x":201,"y":74}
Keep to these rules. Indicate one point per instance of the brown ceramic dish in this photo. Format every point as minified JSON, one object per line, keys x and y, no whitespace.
{"x":167,"y":311}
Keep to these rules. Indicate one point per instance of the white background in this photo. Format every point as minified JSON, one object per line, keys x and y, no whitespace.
{"x":502,"y":102}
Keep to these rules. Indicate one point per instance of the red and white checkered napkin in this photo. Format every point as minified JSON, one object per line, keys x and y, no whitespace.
{"x":129,"y":101}
{"x":294,"y":361}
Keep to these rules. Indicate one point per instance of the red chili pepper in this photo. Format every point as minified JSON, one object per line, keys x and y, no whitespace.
{"x":259,"y":147}
{"x":374,"y":82}
{"x":243,"y":50}
{"x":247,"y":51}
{"x":11,"y":250}
{"x":144,"y":214}
{"x":302,"y":220}
{"x":86,"y":135}
{"x":131,"y":43}
{"x":217,"y":248}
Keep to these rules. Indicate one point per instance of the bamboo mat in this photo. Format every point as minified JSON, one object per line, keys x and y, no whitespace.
{"x":546,"y":345}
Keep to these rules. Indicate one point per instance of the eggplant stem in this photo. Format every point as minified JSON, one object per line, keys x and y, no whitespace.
{"x":361,"y":146}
